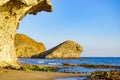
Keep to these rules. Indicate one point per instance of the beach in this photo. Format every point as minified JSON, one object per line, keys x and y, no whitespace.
{"x":6,"y":74}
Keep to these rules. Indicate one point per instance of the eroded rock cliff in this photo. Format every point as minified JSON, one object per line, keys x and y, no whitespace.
{"x":11,"y":12}
{"x":26,"y":47}
{"x":67,"y":49}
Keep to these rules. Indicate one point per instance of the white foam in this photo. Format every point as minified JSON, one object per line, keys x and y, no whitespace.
{"x":40,"y":62}
{"x":54,"y":63}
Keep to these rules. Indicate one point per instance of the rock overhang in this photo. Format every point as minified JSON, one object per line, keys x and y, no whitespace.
{"x":11,"y":12}
{"x":36,"y":5}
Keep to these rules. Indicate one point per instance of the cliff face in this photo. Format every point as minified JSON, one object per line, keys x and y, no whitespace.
{"x":11,"y":12}
{"x":67,"y":49}
{"x":27,"y":47}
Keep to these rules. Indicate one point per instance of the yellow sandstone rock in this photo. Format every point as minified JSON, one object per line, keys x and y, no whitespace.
{"x":11,"y":12}
{"x":67,"y":49}
{"x":26,"y":47}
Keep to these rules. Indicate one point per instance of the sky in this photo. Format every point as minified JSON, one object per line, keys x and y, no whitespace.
{"x":94,"y":24}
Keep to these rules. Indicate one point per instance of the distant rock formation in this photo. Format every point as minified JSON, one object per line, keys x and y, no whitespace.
{"x":26,"y":47}
{"x":11,"y":13}
{"x":67,"y":49}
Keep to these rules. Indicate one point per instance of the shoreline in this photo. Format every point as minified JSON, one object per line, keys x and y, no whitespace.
{"x":40,"y":72}
{"x":51,"y":72}
{"x":6,"y":74}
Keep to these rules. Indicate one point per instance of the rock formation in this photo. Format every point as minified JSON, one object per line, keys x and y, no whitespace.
{"x":67,"y":49}
{"x":26,"y":47}
{"x":11,"y":12}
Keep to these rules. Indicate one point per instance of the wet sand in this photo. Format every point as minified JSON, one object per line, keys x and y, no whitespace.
{"x":33,"y":75}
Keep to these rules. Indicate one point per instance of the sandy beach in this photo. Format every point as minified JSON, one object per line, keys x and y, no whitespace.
{"x":33,"y":75}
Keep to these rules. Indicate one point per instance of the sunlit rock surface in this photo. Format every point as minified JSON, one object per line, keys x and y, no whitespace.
{"x":67,"y":49}
{"x":11,"y":12}
{"x":26,"y":47}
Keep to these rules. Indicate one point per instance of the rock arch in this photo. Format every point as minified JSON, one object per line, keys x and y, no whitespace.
{"x":11,"y":12}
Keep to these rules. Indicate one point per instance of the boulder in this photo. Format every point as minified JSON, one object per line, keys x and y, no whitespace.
{"x":67,"y":49}
{"x":26,"y":47}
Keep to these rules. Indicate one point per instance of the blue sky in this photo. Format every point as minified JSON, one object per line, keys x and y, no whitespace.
{"x":95,"y":24}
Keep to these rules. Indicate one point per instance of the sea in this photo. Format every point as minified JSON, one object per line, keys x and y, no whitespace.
{"x":83,"y":60}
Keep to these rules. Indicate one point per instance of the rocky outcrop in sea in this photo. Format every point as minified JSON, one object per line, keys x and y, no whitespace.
{"x":27,"y":47}
{"x":67,"y":49}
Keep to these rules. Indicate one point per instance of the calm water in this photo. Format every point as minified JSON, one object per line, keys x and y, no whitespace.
{"x":87,"y":60}
{"x":90,"y":60}
{"x":83,"y":60}
{"x":73,"y":78}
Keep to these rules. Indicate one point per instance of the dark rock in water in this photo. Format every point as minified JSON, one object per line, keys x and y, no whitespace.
{"x":104,"y":75}
{"x":27,"y":47}
{"x":67,"y":49}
